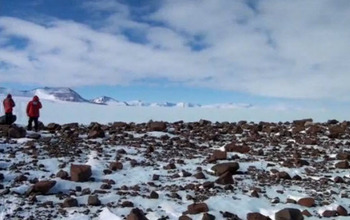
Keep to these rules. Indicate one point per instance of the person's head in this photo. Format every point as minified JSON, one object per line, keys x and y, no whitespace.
{"x":35,"y":98}
{"x":9,"y":96}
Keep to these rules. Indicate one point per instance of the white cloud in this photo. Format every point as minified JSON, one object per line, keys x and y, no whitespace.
{"x":292,"y":49}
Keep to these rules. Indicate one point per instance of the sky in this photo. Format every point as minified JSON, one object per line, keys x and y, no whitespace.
{"x":271,"y":52}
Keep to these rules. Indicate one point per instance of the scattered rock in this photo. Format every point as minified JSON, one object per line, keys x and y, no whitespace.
{"x":80,"y":173}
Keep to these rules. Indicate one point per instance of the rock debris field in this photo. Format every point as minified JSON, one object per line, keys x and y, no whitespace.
{"x":182,"y":170}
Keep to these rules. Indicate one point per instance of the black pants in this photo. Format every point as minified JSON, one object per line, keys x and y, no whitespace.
{"x":8,"y":118}
{"x":30,"y":121}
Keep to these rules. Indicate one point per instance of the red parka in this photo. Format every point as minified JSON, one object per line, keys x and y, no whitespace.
{"x":33,"y":107}
{"x":8,"y":104}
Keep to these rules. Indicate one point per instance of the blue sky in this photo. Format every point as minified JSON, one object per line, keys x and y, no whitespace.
{"x":283,"y":53}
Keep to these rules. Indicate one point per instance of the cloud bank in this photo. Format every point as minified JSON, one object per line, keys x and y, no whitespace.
{"x":273,"y":48}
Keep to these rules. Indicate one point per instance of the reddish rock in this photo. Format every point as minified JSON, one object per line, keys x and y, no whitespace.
{"x":218,"y":155}
{"x":207,"y":216}
{"x":329,"y":213}
{"x":342,"y":164}
{"x":289,"y":214}
{"x":232,"y":147}
{"x":62,"y":174}
{"x":43,"y":187}
{"x":284,"y":175}
{"x":136,"y":214}
{"x":184,"y":217}
{"x":342,"y":211}
{"x":115,"y":166}
{"x":154,"y":195}
{"x":157,"y":126}
{"x":306,"y":213}
{"x":16,"y":132}
{"x":343,"y":156}
{"x":256,"y":216}
{"x":96,"y":134}
{"x":200,"y":175}
{"x":308,"y":202}
{"x":225,"y":179}
{"x":222,"y":168}
{"x":80,"y":173}
{"x":196,"y":208}
{"x":70,"y":202}
{"x":94,"y":200}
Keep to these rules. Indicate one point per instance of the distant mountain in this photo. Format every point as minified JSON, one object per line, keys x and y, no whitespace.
{"x":69,"y":95}
{"x":59,"y":93}
{"x":48,"y":93}
{"x":105,"y":100}
{"x":187,"y":105}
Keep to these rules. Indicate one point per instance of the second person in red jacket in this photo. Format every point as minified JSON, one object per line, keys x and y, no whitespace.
{"x":33,"y":113}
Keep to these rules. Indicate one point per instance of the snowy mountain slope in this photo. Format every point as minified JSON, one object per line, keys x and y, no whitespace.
{"x":47,"y":93}
{"x":105,"y":100}
{"x":69,"y":95}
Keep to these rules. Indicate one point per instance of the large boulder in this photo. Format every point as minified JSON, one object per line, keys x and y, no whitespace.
{"x":308,"y":202}
{"x":80,"y":173}
{"x":232,"y":147}
{"x":217,"y":155}
{"x":257,"y":216}
{"x":94,"y":200}
{"x":157,"y":126}
{"x":222,"y":168}
{"x":16,"y":132}
{"x":289,"y":214}
{"x":196,"y":208}
{"x":225,"y":179}
{"x":43,"y":187}
{"x":136,"y":214}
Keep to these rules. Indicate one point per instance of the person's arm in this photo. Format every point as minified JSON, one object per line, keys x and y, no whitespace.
{"x":13,"y":103}
{"x":28,"y":108}
{"x":40,"y":106}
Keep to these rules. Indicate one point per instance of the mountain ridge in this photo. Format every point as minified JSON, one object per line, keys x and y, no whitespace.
{"x":69,"y":95}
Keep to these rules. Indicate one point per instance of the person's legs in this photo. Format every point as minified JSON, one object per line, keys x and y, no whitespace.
{"x":8,"y":118}
{"x":30,"y":121}
{"x":36,"y":123}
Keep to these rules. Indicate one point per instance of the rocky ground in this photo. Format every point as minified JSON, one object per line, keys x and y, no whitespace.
{"x":180,"y":170}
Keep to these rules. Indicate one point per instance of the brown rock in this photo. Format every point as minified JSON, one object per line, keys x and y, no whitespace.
{"x":222,"y":168}
{"x":157,"y":126}
{"x":62,"y":174}
{"x":196,"y":208}
{"x":308,"y":202}
{"x":218,"y":155}
{"x":70,"y":202}
{"x":94,"y":200}
{"x":256,"y":216}
{"x":289,"y":214}
{"x":284,"y":175}
{"x":80,"y":173}
{"x":16,"y":132}
{"x":200,"y":175}
{"x":342,"y":211}
{"x":232,"y":147}
{"x":154,"y":195}
{"x":225,"y":179}
{"x":342,"y":164}
{"x":184,"y":217}
{"x":43,"y":187}
{"x":136,"y":214}
{"x":115,"y":166}
{"x":207,"y":216}
{"x":329,"y":213}
{"x":306,"y":213}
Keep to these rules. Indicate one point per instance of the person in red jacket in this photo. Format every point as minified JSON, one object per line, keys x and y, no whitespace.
{"x":8,"y":107}
{"x":33,"y":113}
